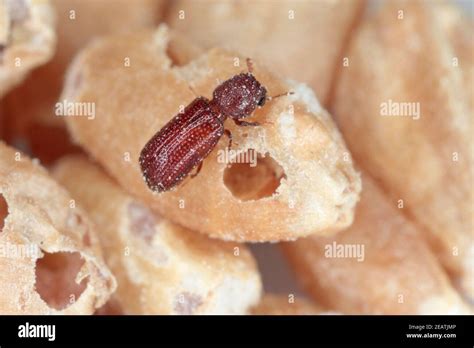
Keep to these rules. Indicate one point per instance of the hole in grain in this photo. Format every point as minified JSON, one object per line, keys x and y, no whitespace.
{"x":56,"y":278}
{"x":3,"y":211}
{"x":173,"y":55}
{"x":180,"y":51}
{"x":252,"y":181}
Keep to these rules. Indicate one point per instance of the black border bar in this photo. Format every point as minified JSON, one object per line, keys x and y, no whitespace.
{"x":289,"y":330}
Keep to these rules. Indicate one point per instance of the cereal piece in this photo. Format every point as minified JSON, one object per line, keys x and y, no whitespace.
{"x":27,"y":39}
{"x":32,"y":119}
{"x":379,"y":265}
{"x":280,"y":305}
{"x":309,"y":185}
{"x":298,"y":39}
{"x":161,"y":268}
{"x":459,"y":29}
{"x":50,"y":259}
{"x":409,"y":124}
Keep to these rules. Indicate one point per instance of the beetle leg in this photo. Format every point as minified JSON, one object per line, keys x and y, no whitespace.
{"x":245,"y":124}
{"x":229,"y":135}
{"x":197,"y":170}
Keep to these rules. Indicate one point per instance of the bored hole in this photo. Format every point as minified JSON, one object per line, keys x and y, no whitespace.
{"x":177,"y":56}
{"x":3,"y":212}
{"x":253,"y":176}
{"x":56,"y":278}
{"x":180,"y":51}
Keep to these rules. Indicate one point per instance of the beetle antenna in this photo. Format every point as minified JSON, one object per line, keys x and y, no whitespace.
{"x":280,"y":95}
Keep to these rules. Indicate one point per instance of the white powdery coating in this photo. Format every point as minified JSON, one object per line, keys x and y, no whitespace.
{"x":324,"y":188}
{"x":161,"y":36}
{"x":304,"y":94}
{"x":440,"y":305}
{"x":232,"y":295}
{"x":316,"y":204}
{"x":286,"y":125}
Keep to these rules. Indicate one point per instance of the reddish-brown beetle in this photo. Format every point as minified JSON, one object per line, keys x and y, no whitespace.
{"x":189,"y":137}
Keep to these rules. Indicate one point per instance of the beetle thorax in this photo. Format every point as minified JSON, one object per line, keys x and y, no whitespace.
{"x":239,"y":96}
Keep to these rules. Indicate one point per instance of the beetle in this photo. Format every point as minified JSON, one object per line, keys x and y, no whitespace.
{"x":189,"y":137}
